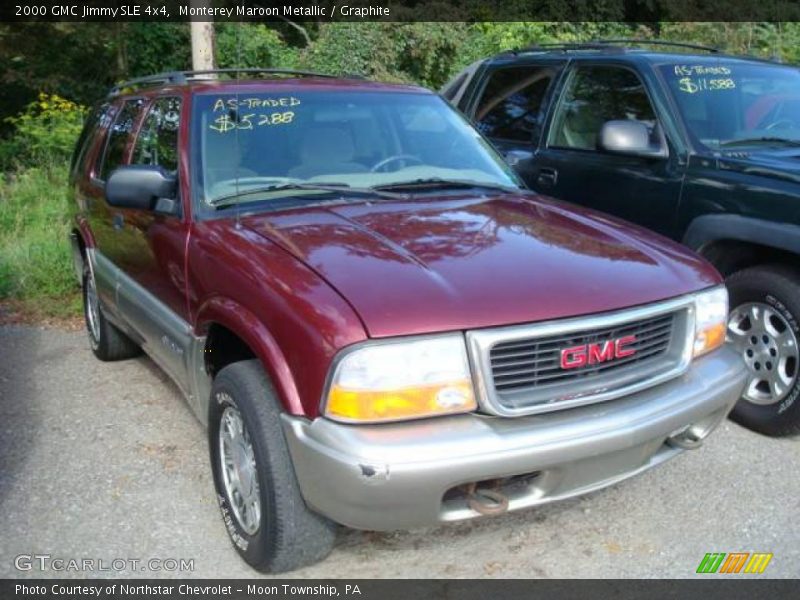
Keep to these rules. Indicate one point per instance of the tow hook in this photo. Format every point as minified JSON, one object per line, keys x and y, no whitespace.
{"x":486,"y":501}
{"x":688,"y":438}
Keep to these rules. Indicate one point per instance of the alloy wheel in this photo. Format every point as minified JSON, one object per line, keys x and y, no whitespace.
{"x":239,"y":473}
{"x":769,"y":347}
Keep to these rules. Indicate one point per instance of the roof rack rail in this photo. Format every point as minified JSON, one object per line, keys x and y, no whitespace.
{"x":182,"y":77}
{"x":613,"y":45}
{"x":641,"y":42}
{"x":563,"y":47}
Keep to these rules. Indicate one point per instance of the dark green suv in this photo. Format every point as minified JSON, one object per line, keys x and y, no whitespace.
{"x":697,"y":145}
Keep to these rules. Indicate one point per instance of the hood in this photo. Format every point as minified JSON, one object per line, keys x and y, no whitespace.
{"x":783,"y":163}
{"x":463,"y":262}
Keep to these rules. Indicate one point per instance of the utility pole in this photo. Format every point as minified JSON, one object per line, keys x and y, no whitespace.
{"x":202,"y":39}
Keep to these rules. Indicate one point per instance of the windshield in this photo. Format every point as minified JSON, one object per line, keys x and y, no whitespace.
{"x":730,"y":103}
{"x":265,"y":147}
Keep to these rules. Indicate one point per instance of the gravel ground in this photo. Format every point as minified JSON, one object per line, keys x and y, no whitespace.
{"x":106,"y":461}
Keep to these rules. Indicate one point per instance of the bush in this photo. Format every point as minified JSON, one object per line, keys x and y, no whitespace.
{"x":422,"y":53}
{"x":45,"y":132}
{"x":35,"y":259}
{"x":245,"y":45}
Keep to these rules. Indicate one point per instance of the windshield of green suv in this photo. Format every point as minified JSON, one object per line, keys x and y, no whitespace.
{"x":263,"y":147}
{"x":731,"y":104}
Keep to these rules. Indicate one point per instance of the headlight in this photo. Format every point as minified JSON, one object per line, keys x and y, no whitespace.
{"x":394,"y":380}
{"x":711,"y":312}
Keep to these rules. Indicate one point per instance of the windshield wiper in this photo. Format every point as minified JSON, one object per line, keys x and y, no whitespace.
{"x":431,"y":182}
{"x":232,"y":199}
{"x":760,"y":140}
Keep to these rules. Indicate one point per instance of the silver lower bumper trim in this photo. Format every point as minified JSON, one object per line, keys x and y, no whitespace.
{"x":396,"y":476}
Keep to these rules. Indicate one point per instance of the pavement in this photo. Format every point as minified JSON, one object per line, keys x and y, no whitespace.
{"x":105,"y":461}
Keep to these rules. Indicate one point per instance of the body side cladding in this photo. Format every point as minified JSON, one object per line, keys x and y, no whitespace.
{"x":164,"y":335}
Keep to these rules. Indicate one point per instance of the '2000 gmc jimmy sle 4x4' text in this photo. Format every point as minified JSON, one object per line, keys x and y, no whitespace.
{"x":379,"y":326}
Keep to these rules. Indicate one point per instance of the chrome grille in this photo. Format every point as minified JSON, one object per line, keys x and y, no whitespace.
{"x":537,"y":361}
{"x":518,"y":368}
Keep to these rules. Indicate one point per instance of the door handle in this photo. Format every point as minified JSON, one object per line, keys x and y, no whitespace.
{"x":547,"y":177}
{"x":118,"y":221}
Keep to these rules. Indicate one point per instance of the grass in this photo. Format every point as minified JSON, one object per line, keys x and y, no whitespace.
{"x":36,"y":271}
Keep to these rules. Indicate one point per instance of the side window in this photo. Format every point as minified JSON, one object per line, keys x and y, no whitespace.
{"x":157,"y":142}
{"x":593,"y":96}
{"x":118,"y":136}
{"x":511,"y":107}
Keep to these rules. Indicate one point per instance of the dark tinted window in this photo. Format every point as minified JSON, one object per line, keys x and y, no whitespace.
{"x":157,"y":143}
{"x":593,"y":96}
{"x":511,"y":105}
{"x":119,"y":135}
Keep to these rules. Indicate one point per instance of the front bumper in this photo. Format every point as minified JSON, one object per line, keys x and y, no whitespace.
{"x":403,"y":475}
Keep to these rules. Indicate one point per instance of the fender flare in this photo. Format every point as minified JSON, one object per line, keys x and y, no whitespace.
{"x":707,"y":229}
{"x":240,"y":321}
{"x":81,"y":240}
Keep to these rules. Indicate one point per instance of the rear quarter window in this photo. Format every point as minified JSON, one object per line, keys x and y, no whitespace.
{"x":86,"y":140}
{"x":512,"y":104}
{"x":119,"y":136}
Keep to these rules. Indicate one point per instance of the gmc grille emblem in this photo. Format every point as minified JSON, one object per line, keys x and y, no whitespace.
{"x":599,"y":352}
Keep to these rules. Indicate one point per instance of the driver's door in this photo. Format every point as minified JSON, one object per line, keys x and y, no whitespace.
{"x":151,"y":247}
{"x":570,"y":166}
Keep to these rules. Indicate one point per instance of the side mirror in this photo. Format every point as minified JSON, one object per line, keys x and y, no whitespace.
{"x":632,"y":138}
{"x":143,"y":187}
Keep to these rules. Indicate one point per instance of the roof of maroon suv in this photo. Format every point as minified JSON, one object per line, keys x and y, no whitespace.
{"x":194,"y":84}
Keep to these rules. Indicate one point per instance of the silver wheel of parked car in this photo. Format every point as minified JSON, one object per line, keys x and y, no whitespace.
{"x":769,"y":348}
{"x":239,"y":472}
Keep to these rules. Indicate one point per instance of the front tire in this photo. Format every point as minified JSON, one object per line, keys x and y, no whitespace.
{"x":257,"y":492}
{"x":764,"y":326}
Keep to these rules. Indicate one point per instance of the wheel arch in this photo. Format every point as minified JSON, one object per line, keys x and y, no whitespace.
{"x":733,"y":242}
{"x":234,"y":333}
{"x":81,"y":240}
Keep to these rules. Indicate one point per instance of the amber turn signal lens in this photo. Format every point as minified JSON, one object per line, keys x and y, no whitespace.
{"x":709,"y":339}
{"x":711,"y":320}
{"x":404,"y":403}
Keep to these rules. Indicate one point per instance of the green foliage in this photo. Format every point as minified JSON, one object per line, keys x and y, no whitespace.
{"x":252,"y":45}
{"x":348,"y":48}
{"x":35,"y":261}
{"x":44,"y":132}
{"x":423,"y":53}
{"x":155,"y":47}
{"x":489,"y":38}
{"x":767,"y":40}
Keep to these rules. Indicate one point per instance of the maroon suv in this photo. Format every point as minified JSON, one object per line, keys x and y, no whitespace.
{"x":379,"y":325}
